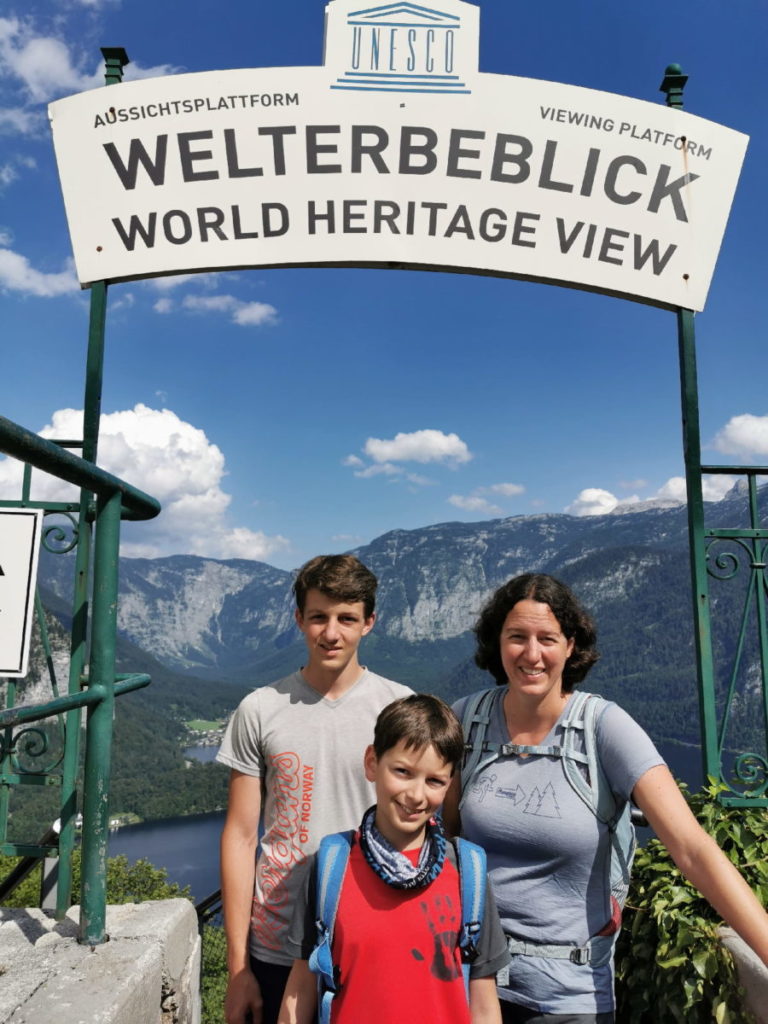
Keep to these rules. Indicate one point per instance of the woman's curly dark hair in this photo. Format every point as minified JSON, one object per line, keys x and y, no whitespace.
{"x":574,"y":622}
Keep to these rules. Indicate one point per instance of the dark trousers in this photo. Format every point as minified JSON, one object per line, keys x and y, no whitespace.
{"x":513,"y":1014}
{"x":272,"y":979}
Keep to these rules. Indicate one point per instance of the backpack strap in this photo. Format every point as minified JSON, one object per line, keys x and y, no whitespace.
{"x":478,"y":754}
{"x":332,"y":860}
{"x":581,"y":717}
{"x":471,"y":862}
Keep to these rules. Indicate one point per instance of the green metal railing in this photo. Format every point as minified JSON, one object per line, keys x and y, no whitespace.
{"x":736,"y":558}
{"x":104,"y":501}
{"x":747,"y":778}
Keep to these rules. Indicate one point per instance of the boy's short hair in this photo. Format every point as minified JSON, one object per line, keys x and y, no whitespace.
{"x":418,"y":721}
{"x":342,"y":577}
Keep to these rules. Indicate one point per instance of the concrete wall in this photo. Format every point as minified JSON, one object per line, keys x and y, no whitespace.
{"x":753,"y":974}
{"x":148,"y":972}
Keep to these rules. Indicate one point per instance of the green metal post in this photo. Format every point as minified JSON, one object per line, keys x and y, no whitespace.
{"x":77,"y":661}
{"x":98,"y":754}
{"x":97,"y":761}
{"x":758,"y":563}
{"x":698,"y":558}
{"x":115,"y":59}
{"x":6,"y":739}
{"x":673,"y":85}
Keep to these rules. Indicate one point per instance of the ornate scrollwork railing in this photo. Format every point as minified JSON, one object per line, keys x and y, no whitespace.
{"x":61,"y":538}
{"x":738,"y":557}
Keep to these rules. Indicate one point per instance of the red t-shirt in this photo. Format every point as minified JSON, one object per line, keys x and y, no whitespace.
{"x":397,"y":950}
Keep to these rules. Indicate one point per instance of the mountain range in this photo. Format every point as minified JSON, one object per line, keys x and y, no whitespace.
{"x":232,"y":621}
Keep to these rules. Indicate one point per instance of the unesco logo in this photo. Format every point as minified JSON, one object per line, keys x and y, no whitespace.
{"x":402,"y":47}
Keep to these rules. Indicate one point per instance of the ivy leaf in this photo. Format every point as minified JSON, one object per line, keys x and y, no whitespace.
{"x":673,"y":961}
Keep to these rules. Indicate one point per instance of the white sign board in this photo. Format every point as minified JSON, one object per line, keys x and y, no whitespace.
{"x":19,"y":548}
{"x":397,"y":151}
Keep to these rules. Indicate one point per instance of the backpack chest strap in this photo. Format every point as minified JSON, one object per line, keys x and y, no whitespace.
{"x":551,"y":750}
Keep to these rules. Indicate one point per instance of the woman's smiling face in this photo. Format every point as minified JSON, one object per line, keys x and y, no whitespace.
{"x":533,"y":649}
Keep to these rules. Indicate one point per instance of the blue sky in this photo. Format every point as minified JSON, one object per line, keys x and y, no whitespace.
{"x":279,"y":413}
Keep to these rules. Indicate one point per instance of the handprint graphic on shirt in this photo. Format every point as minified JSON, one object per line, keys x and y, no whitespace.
{"x":443,"y":922}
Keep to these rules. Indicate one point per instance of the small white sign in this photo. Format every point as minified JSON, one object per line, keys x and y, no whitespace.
{"x":396,"y":152}
{"x":19,"y":548}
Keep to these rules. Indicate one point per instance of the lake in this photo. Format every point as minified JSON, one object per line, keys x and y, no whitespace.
{"x":188,"y":847}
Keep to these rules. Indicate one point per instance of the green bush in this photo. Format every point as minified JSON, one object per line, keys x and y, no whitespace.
{"x":126,"y":883}
{"x":213,"y":981}
{"x":670,"y":966}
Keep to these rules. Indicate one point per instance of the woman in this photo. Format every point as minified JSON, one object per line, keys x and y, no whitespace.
{"x":548,"y":853}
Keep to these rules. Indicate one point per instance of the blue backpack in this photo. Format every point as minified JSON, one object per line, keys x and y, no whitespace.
{"x":580,"y":719}
{"x":332,"y":860}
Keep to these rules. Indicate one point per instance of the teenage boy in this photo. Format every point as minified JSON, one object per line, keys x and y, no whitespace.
{"x":294,"y":748}
{"x":395,"y":936}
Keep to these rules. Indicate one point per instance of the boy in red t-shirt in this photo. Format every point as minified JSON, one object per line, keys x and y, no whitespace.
{"x":395,"y":938}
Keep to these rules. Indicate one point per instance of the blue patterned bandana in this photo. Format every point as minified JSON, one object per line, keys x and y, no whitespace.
{"x":394,"y":867}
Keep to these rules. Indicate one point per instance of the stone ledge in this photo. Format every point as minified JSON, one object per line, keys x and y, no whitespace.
{"x":152,"y":960}
{"x":753,"y":974}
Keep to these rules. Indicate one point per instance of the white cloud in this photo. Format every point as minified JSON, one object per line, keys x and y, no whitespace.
{"x":593,"y":501}
{"x":125,"y":301}
{"x":419,"y":446}
{"x":246,"y":314}
{"x":42,"y":64}
{"x":474,"y":503}
{"x":716,"y":487}
{"x":42,"y":67}
{"x":163,"y":306}
{"x":674,"y":489}
{"x":254,"y":314}
{"x":6,"y":238}
{"x":19,"y":121}
{"x":352,"y":460}
{"x":17,"y":274}
{"x":383,"y":469}
{"x":46,"y":66}
{"x":508,"y":490}
{"x":8,"y":174}
{"x":168,"y":283}
{"x":136,"y":72}
{"x":9,"y":171}
{"x":745,"y":436}
{"x":713,"y":487}
{"x":173,"y":461}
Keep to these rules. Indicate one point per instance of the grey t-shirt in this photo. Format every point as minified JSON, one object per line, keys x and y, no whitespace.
{"x":308,"y":750}
{"x":549,"y":856}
